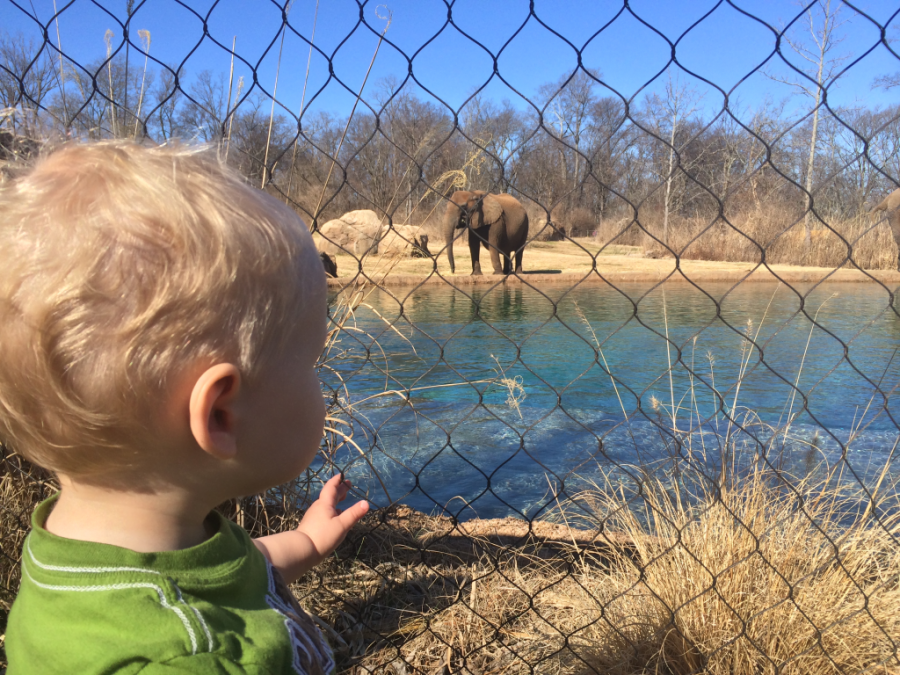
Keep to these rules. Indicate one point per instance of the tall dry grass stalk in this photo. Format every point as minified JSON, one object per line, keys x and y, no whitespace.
{"x":312,"y":40}
{"x":113,"y":121}
{"x":231,"y":76}
{"x":362,"y":87}
{"x":265,"y":171}
{"x":144,"y":35}
{"x":237,"y":96}
{"x":62,"y":70}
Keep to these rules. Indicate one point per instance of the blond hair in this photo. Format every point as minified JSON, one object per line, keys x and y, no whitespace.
{"x":122,"y":267}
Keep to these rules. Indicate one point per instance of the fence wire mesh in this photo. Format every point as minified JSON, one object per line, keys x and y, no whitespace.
{"x":660,"y":436}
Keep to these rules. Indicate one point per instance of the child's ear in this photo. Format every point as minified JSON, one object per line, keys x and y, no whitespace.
{"x":212,"y":410}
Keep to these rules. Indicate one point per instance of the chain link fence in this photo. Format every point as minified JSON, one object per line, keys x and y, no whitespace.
{"x":665,"y":442}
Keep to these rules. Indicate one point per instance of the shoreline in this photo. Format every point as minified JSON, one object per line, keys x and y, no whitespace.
{"x":473,"y":538}
{"x":756,"y":274}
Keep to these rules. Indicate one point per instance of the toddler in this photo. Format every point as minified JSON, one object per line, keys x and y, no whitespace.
{"x":160,"y":323}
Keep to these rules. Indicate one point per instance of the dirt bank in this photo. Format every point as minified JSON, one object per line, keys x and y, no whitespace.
{"x":582,"y":261}
{"x":469,"y":540}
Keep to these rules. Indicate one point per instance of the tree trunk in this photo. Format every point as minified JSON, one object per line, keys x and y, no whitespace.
{"x":669,"y":184}
{"x":810,"y":164}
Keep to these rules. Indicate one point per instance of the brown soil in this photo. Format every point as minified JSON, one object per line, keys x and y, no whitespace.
{"x":413,"y":537}
{"x":582,"y":261}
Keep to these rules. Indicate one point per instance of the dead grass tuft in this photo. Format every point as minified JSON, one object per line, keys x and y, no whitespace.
{"x":756,"y":577}
{"x":22,"y":487}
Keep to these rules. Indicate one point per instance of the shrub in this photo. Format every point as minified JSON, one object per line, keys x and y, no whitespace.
{"x":580,"y":222}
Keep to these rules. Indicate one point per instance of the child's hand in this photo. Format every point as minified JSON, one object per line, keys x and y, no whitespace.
{"x":324,"y":524}
{"x":323,"y":527}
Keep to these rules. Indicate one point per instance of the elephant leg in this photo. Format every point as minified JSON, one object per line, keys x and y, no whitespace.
{"x":494,"y":246}
{"x":519,"y":253}
{"x":475,"y":251}
{"x":495,"y":260}
{"x":507,"y":264}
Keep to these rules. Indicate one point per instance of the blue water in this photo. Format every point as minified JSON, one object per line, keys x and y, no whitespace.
{"x":597,"y":390}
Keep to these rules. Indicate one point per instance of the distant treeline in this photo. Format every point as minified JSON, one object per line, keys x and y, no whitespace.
{"x":578,"y":148}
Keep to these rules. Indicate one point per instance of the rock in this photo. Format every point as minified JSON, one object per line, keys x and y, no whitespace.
{"x":356,"y":232}
{"x":398,"y":240}
{"x":362,"y":233}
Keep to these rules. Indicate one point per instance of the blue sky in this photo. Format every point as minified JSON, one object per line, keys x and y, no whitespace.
{"x":723,"y":48}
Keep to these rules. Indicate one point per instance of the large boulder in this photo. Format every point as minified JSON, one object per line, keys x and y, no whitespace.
{"x":362,"y":233}
{"x":355,"y":232}
{"x":397,"y":241}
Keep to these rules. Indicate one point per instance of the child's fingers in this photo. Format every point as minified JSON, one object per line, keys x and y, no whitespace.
{"x":335,"y":490}
{"x":350,"y":516}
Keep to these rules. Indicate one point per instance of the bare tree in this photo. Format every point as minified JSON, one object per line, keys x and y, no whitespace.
{"x":670,"y":117}
{"x":204,"y":110}
{"x":613,"y":139}
{"x":888,"y":81}
{"x":568,"y":103}
{"x":166,"y":100}
{"x":27,"y":77}
{"x":96,"y":92}
{"x":823,"y":20}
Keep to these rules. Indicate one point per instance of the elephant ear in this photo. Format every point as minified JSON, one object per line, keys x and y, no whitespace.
{"x":492,"y":209}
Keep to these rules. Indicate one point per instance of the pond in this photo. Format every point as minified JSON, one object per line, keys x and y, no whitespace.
{"x":496,"y":402}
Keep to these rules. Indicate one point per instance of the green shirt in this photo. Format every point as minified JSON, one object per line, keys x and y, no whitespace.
{"x":219,"y":607}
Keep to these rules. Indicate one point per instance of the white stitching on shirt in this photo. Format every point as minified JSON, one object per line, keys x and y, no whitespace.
{"x":209,"y":639}
{"x":85,"y":570}
{"x":276,"y":602}
{"x":120,"y":587}
{"x":113,"y":587}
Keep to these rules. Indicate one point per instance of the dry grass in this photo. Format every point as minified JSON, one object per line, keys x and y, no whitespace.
{"x":778,"y":232}
{"x":753,"y":578}
{"x":22,"y":487}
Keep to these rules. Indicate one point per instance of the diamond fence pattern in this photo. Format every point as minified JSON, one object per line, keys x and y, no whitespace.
{"x":671,"y":537}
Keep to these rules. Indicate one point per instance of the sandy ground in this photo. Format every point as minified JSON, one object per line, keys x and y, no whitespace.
{"x":473,"y":538}
{"x":573,"y":262}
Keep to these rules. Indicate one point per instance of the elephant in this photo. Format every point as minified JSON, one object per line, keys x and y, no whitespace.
{"x":499,"y":222}
{"x":891,"y":208}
